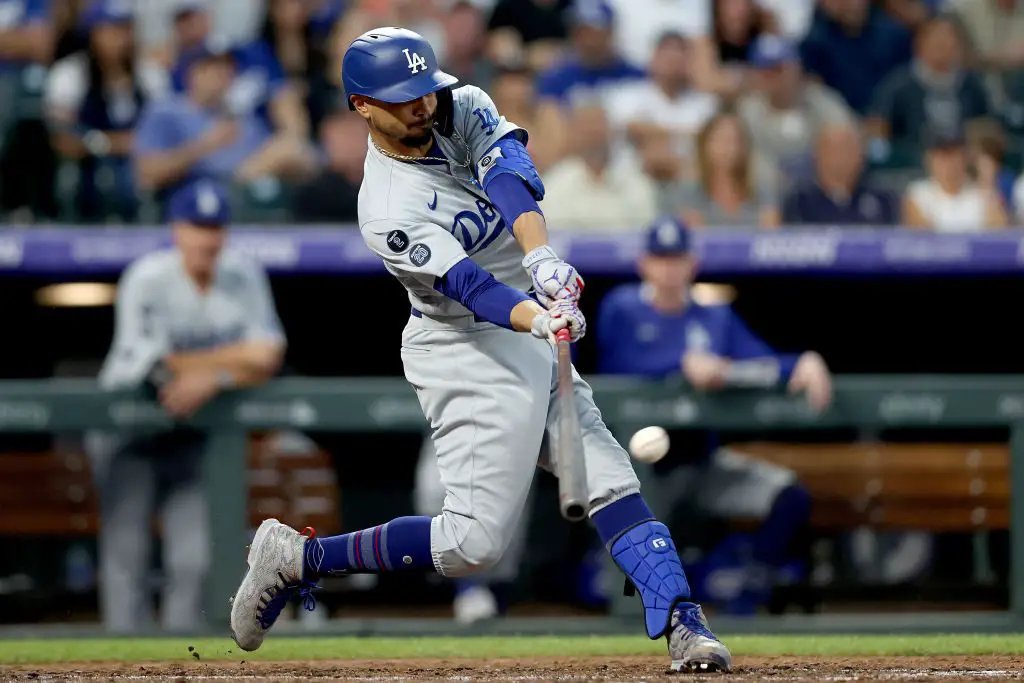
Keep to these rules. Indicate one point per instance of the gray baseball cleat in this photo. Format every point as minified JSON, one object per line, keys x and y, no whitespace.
{"x":275,"y":567}
{"x":692,"y":645}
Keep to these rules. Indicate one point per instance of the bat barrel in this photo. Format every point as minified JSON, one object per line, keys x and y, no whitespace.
{"x":573,"y":496}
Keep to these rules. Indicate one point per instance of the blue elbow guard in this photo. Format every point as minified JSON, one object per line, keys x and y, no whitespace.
{"x":509,"y":155}
{"x":648,"y":557}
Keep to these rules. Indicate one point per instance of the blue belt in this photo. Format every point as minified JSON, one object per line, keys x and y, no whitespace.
{"x":416,"y":313}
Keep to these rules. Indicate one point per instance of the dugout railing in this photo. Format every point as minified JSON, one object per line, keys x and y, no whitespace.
{"x":388,"y":404}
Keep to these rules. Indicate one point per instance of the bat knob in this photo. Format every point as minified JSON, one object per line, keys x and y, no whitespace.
{"x":575,"y":512}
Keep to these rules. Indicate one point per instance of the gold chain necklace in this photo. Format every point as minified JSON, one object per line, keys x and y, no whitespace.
{"x":406,"y":157}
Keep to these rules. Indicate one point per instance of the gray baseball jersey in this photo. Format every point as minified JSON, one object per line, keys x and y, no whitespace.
{"x":485,"y":390}
{"x":160,"y":311}
{"x":423,"y":218}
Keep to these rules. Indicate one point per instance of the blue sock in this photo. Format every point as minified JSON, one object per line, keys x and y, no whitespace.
{"x":402,"y":543}
{"x":642,"y":547}
{"x":774,"y":538}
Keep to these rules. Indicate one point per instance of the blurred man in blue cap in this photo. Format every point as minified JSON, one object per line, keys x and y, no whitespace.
{"x":208,"y":132}
{"x":191,"y":321}
{"x":593,"y":62}
{"x":261,"y":80}
{"x":655,"y":329}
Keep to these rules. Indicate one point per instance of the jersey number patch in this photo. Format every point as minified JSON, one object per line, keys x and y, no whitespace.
{"x":419,"y":255}
{"x":475,"y":230}
{"x":487,"y":120}
{"x":416,"y":63}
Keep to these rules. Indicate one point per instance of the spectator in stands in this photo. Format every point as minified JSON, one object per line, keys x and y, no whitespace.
{"x":594,"y":188}
{"x":947,"y":200}
{"x":734,"y":188}
{"x":333,"y":196}
{"x":721,"y":57}
{"x":203,"y":133}
{"x":289,"y":33}
{"x":515,"y":95}
{"x":852,"y":46}
{"x":465,"y":28}
{"x":995,"y":37}
{"x":986,"y":155}
{"x":591,"y":68}
{"x":933,"y":90}
{"x":531,"y":28}
{"x":93,"y":99}
{"x":656,"y":330}
{"x":664,"y":106}
{"x":838,"y":194}
{"x":260,"y":82}
{"x":786,"y":112}
{"x":26,"y":158}
{"x":592,"y":62}
{"x":641,"y":23}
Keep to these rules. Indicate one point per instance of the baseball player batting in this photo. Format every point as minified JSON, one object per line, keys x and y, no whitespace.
{"x":449,"y":201}
{"x":194,"y":321}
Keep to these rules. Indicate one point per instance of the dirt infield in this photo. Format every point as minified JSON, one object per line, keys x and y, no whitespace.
{"x":778,"y":669}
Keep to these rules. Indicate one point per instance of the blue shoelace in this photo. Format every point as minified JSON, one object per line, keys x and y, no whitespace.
{"x":690,"y":618}
{"x":273,"y":608}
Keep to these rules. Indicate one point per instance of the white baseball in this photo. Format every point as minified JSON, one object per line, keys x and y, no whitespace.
{"x":649,"y":444}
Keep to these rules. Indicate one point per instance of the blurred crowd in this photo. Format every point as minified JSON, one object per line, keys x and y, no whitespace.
{"x":725,"y":113}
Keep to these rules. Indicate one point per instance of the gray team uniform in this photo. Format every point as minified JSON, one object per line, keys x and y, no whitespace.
{"x":485,"y":390}
{"x":159,"y":311}
{"x":428,"y":499}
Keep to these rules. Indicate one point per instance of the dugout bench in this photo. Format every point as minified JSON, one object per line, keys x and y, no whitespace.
{"x":895,"y":486}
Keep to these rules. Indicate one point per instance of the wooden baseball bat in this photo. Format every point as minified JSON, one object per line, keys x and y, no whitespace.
{"x":573,"y":499}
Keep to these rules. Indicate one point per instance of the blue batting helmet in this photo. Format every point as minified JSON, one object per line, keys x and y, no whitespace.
{"x":392,"y":65}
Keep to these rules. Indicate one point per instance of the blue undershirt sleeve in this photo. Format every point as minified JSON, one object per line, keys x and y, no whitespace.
{"x":477,"y":290}
{"x":511,"y":197}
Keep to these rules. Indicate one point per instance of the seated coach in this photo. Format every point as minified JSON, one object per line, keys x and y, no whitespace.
{"x":655,"y":329}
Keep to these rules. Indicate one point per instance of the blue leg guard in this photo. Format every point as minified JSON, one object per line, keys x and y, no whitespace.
{"x":648,"y":556}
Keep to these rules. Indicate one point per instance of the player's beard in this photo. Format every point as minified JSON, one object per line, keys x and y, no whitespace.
{"x":420,"y":139}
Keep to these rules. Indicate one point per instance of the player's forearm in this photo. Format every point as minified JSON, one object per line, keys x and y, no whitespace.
{"x":245,"y":359}
{"x":531,"y":231}
{"x":523,"y":314}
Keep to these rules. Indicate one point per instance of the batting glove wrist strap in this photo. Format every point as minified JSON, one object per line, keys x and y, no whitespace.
{"x":539,"y":255}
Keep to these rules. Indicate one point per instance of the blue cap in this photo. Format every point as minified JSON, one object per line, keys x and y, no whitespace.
{"x":770,"y":51}
{"x":668,"y":237}
{"x":204,"y":202}
{"x":101,"y":12}
{"x":596,"y":13}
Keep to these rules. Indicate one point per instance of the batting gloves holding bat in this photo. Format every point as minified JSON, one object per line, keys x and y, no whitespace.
{"x":553,"y":279}
{"x":559,"y":316}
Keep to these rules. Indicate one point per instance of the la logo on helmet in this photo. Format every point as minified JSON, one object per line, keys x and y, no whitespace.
{"x":416,"y":63}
